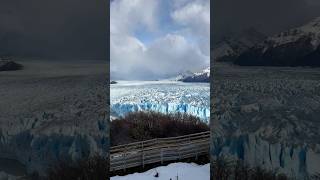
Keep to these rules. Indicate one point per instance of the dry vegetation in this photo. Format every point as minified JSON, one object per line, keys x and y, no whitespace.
{"x":139,"y":126}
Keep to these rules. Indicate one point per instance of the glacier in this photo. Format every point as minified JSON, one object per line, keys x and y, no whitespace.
{"x":268,"y":117}
{"x":160,"y":96}
{"x":298,"y":161}
{"x":49,"y":114}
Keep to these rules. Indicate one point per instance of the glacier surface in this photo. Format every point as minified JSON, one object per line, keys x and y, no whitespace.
{"x":268,"y":117}
{"x":297,"y":161}
{"x":51,"y":112}
{"x":160,"y":96}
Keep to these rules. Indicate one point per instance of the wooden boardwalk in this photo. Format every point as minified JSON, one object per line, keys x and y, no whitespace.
{"x":159,"y":150}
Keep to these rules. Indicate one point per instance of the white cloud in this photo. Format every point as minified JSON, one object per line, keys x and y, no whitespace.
{"x":176,"y":55}
{"x":195,"y":17}
{"x":164,"y":56}
{"x":126,"y":51}
{"x":128,"y":15}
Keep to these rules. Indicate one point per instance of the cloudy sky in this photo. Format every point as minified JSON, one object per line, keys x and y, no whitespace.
{"x":154,"y":39}
{"x":266,"y":16}
{"x":54,"y":29}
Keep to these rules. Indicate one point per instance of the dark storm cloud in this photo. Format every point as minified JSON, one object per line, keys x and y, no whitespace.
{"x":54,"y":28}
{"x":267,"y":16}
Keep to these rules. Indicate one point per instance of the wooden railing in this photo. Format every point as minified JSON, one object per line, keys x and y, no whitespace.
{"x":159,"y":150}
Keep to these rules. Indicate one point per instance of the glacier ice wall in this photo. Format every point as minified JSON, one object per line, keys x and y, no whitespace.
{"x":161,"y":96}
{"x":67,"y":122}
{"x":203,"y":113}
{"x":39,"y":150}
{"x":294,"y":160}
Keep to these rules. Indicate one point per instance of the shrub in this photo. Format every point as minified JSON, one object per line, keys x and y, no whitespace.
{"x":140,"y":126}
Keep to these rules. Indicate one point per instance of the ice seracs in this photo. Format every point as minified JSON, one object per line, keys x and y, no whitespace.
{"x":268,"y":117}
{"x":160,"y":96}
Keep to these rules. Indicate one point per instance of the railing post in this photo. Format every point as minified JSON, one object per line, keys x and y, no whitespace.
{"x":196,"y":149}
{"x":125,"y":159}
{"x":161,"y":154}
{"x":196,"y":155}
{"x":142,"y":148}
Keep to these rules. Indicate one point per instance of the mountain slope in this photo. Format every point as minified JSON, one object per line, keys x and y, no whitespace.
{"x":202,"y":76}
{"x":228,"y":49}
{"x":295,"y":47}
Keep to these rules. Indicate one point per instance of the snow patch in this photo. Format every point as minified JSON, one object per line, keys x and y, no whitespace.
{"x":185,"y":171}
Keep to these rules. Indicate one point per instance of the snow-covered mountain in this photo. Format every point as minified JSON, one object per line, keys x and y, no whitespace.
{"x":182,"y":76}
{"x":294,"y":47}
{"x":229,"y":48}
{"x":202,"y":76}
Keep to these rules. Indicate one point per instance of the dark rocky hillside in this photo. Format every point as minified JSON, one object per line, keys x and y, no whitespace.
{"x":295,"y":47}
{"x":8,"y":65}
{"x":229,"y":48}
